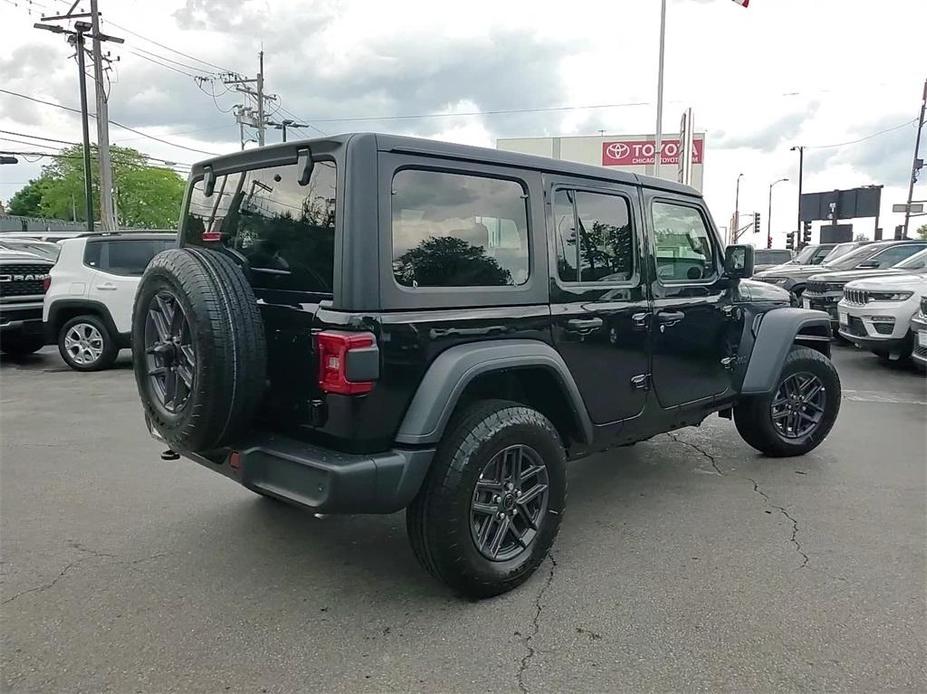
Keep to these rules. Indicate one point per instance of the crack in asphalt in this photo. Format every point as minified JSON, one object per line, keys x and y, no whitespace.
{"x":699,"y":449}
{"x":535,"y":627}
{"x":91,"y":553}
{"x":794,"y":538}
{"x":756,"y":488}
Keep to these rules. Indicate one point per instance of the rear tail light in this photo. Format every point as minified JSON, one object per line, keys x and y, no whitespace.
{"x":46,"y":283}
{"x":334,"y":349}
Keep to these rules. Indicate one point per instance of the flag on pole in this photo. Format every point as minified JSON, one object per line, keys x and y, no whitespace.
{"x":745,"y":3}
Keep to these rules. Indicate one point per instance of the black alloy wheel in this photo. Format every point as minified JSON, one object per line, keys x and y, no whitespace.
{"x":169,"y":355}
{"x":509,"y":503}
{"x":799,"y":405}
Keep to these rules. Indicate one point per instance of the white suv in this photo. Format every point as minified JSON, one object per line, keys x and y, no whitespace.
{"x":875,"y":314}
{"x":88,"y":306}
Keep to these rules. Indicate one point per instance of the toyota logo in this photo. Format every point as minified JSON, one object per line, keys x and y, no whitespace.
{"x":617,"y":150}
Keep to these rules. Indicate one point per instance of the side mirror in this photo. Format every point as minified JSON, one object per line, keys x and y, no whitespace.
{"x":869,"y":265}
{"x":738,"y":261}
{"x":304,"y":165}
{"x":209,"y":182}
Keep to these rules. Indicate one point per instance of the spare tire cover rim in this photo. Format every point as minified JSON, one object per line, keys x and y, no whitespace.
{"x":170,"y":358}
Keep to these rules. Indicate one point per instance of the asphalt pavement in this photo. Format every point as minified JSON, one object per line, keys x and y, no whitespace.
{"x":686,"y":563}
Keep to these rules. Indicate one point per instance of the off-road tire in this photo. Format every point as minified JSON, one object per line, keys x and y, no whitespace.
{"x":19,"y":346}
{"x":227,"y":336}
{"x":110,"y":349}
{"x":438,"y":519}
{"x":753,"y":417}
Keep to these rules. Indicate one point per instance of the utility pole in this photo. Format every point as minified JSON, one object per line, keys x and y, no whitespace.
{"x":284,"y":124}
{"x":737,"y":207}
{"x":251,"y":113}
{"x":917,"y":164}
{"x":81,"y":28}
{"x":107,"y":210}
{"x":769,"y":213}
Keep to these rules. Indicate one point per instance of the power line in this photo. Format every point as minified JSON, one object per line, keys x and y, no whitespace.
{"x":171,"y":60}
{"x":112,"y":122}
{"x":863,"y":139}
{"x":168,"y":48}
{"x":160,"y":64}
{"x":37,"y":137}
{"x":167,"y":167}
{"x":290,"y":113}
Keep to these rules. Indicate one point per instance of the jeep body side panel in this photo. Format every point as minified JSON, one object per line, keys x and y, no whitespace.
{"x":456,"y":367}
{"x":774,"y":337}
{"x":62,"y":310}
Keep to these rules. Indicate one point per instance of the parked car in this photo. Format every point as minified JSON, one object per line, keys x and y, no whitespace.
{"x":824,"y":291}
{"x":771,"y":257}
{"x":875,"y":314}
{"x":878,"y":255}
{"x":43,"y":249}
{"x":367,"y":323}
{"x":88,"y":307}
{"x":812,"y":254}
{"x":919,"y":328}
{"x":23,"y":281}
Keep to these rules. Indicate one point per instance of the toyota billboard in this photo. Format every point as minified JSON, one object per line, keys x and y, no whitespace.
{"x":631,"y":153}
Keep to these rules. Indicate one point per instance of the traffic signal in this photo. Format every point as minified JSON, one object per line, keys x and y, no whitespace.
{"x":899,"y":231}
{"x":756,"y":222}
{"x":806,"y":233}
{"x":790,"y":240}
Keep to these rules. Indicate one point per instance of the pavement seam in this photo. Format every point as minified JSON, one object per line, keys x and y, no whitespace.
{"x":535,"y":627}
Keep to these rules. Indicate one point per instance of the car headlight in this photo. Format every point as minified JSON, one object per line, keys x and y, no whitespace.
{"x":890,"y":296}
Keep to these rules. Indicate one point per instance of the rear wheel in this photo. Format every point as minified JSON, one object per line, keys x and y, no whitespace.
{"x":797,"y":416}
{"x":86,"y":344}
{"x":490,"y":508}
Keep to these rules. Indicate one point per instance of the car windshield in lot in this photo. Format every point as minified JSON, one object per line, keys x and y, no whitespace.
{"x":285,"y":231}
{"x":849,"y":260}
{"x":840,"y":250}
{"x":771,"y":256}
{"x":916,"y":262}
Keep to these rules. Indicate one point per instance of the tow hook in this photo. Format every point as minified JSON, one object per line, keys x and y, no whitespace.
{"x":169,"y":455}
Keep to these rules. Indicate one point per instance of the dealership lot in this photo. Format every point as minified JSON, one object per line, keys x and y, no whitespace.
{"x":685,"y":562}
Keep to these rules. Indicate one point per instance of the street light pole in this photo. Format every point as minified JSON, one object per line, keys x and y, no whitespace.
{"x":769,"y":214}
{"x":737,"y":209}
{"x":914,"y":166}
{"x":658,"y":144}
{"x":801,"y":167}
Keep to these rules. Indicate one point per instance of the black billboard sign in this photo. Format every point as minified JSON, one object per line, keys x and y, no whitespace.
{"x":841,"y":204}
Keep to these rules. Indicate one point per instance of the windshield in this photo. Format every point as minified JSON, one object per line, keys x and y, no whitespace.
{"x":918,"y":261}
{"x":840,"y":250}
{"x":771,"y":256}
{"x":849,"y":260}
{"x":803,"y":255}
{"x":284,"y":231}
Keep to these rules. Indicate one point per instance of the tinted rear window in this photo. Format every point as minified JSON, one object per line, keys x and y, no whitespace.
{"x":768,"y":257}
{"x":283,"y":231}
{"x":127,"y":257}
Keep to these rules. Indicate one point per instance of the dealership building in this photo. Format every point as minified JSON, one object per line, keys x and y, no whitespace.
{"x":631,"y":153}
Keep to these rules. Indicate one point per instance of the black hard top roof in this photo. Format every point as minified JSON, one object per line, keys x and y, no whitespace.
{"x":425,"y":147}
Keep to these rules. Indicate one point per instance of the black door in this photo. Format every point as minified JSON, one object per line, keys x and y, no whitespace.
{"x":598,"y":303}
{"x":693,"y":322}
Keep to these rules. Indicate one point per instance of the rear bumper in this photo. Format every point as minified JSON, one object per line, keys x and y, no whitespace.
{"x":321,"y":479}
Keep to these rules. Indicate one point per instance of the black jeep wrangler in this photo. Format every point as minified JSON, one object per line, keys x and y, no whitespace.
{"x":367,"y":323}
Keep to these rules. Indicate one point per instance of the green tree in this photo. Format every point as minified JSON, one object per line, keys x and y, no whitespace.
{"x":447,"y":261}
{"x":922,"y":232}
{"x":146,"y":196}
{"x":27,"y":201}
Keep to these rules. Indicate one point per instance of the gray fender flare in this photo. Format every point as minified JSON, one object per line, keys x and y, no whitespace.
{"x":775,"y":336}
{"x":453,"y":369}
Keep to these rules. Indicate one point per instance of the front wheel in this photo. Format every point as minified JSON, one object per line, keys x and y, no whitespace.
{"x":800,"y":411}
{"x":490,"y":507}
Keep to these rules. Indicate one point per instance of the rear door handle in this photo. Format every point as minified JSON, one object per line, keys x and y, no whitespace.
{"x":107,"y":287}
{"x":584,"y":325}
{"x":668,"y":318}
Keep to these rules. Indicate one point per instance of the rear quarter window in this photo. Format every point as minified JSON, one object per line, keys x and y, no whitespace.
{"x":126,"y":257}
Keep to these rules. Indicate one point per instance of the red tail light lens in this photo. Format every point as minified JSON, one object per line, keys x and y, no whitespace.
{"x":332,"y":347}
{"x":46,"y":283}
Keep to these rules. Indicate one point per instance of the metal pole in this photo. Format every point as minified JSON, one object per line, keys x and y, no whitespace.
{"x":658,"y":144}
{"x":107,"y":213}
{"x":260,"y":99}
{"x":801,"y":166}
{"x":917,"y":146}
{"x":88,"y":183}
{"x":737,"y":209}
{"x":769,"y":219}
{"x":284,"y":130}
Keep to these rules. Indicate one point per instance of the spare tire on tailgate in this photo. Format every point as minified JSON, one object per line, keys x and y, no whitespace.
{"x":198,"y":347}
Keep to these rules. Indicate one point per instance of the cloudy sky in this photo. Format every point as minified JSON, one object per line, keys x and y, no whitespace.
{"x":782,"y":72}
